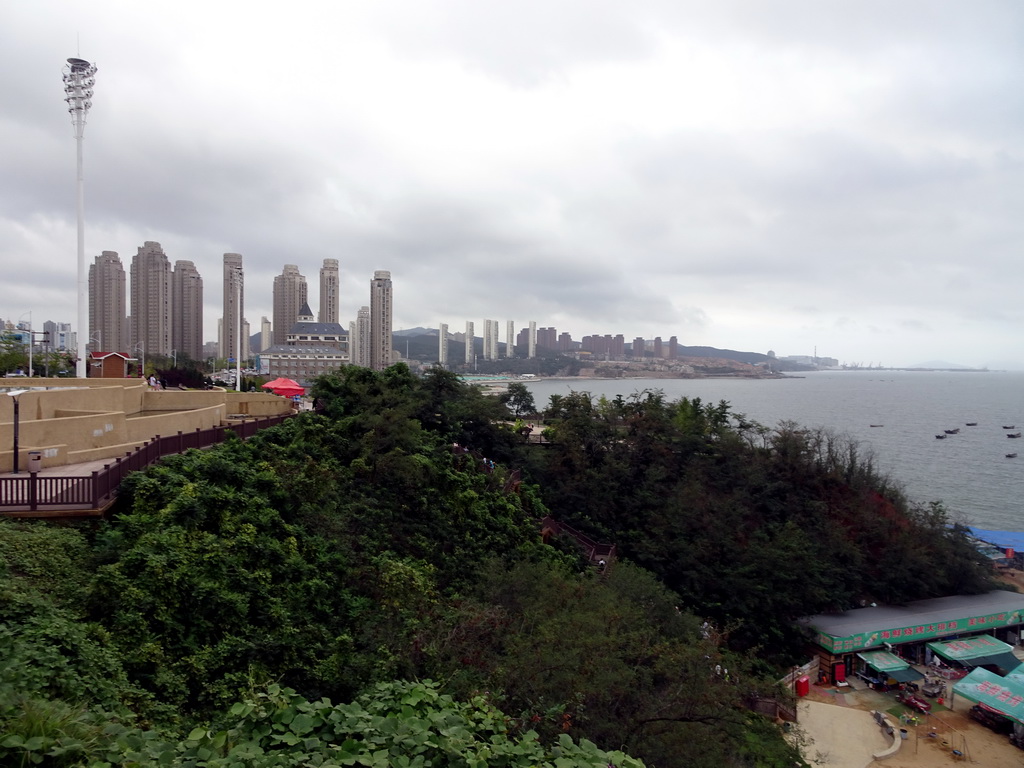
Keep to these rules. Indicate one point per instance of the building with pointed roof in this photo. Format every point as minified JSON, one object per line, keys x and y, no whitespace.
{"x":311,"y":348}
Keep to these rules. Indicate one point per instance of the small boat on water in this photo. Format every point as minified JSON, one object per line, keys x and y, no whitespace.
{"x":878,"y":425}
{"x":1012,"y":426}
{"x":972,"y":423}
{"x":1011,"y":455}
{"x":1014,"y":434}
{"x":953,"y":431}
{"x":940,"y":437}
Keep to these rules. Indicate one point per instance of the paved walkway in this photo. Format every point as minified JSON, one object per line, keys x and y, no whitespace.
{"x":68,"y":470}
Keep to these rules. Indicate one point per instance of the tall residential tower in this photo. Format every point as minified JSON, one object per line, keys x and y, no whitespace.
{"x":151,"y":300}
{"x":290,"y":294}
{"x":381,"y":310}
{"x":187,"y":311}
{"x":329,"y":297}
{"x":108,"y":308}
{"x":234,"y":331}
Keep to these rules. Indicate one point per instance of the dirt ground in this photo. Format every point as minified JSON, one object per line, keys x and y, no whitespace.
{"x":835,"y":729}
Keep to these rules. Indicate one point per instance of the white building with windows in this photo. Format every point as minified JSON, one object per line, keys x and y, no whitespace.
{"x":310,"y":349}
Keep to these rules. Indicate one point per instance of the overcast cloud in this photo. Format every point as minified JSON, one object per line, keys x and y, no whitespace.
{"x":845,"y":176}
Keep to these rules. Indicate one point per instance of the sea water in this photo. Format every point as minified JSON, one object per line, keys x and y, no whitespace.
{"x":969,"y":472}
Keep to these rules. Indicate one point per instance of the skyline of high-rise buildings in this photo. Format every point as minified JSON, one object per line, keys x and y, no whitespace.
{"x":366,"y":340}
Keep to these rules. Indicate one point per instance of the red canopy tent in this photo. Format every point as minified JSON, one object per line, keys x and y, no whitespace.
{"x":285,"y":387}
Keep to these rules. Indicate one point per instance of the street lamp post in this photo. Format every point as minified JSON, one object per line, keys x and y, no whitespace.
{"x":79,"y":79}
{"x":174,"y":358}
{"x":31,"y":339}
{"x":14,"y":394}
{"x":140,"y":347}
{"x":238,"y":336}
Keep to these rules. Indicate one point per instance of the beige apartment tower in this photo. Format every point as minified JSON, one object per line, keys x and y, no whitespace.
{"x":290,"y":294}
{"x":186,"y":311}
{"x":108,"y":307}
{"x":381,"y":309}
{"x":330,"y":301}
{"x":359,"y":338}
{"x":233,"y":319}
{"x":151,"y":301}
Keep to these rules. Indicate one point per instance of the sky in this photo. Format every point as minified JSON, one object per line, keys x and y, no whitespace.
{"x":802,"y":176}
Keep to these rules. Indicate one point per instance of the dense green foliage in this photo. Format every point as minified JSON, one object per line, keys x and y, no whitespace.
{"x":752,"y":527}
{"x":403,"y":725}
{"x":394,"y":536}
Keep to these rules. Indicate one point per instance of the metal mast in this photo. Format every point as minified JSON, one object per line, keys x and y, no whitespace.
{"x":79,"y":79}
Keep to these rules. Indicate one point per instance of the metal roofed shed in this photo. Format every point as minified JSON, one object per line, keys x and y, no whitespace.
{"x":874,"y":627}
{"x":837,"y":638}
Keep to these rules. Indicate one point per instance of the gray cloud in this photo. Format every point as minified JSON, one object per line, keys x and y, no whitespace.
{"x":767,"y":175}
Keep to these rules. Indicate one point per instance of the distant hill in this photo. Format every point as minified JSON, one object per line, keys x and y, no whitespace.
{"x":727,"y":354}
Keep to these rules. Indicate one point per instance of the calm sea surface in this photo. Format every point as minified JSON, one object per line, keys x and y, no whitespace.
{"x":969,"y":471}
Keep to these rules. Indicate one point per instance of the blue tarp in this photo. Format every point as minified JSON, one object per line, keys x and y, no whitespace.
{"x":1002,"y":539}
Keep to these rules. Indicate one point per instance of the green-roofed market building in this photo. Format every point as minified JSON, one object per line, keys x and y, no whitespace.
{"x":845,"y":642}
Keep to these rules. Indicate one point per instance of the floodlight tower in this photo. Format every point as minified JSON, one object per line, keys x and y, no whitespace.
{"x":79,"y":79}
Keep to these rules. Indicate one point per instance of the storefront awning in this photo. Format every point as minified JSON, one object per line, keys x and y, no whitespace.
{"x":1006,"y":661}
{"x":966,"y":650}
{"x":1004,"y":695}
{"x":883,"y":661}
{"x":890,"y":665}
{"x":907,"y":675}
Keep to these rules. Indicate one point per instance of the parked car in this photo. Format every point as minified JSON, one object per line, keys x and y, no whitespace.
{"x":991,"y":719}
{"x":914,"y":702}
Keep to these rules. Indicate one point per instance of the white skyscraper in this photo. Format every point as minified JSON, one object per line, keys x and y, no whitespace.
{"x":442,"y":344}
{"x":510,"y":339}
{"x":492,"y":335}
{"x":266,"y":333}
{"x":487,"y":339}
{"x":532,"y":349}
{"x":469,"y":342}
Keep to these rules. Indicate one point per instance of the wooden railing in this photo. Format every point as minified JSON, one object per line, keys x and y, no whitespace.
{"x":594,"y":551}
{"x":95,"y":492}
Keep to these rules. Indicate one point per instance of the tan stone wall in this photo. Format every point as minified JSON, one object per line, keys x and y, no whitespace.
{"x":85,"y":420}
{"x":142,"y":428}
